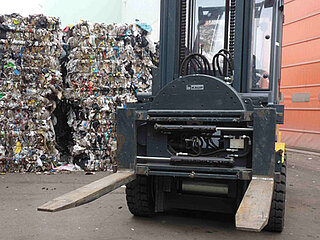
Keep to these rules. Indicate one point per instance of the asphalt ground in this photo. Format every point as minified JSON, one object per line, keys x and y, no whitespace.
{"x":109,"y":218}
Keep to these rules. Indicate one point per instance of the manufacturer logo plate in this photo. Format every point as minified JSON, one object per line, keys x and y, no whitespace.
{"x":198,"y":87}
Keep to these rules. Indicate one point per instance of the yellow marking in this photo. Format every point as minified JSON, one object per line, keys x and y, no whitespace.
{"x":278,"y":134}
{"x":280,"y":146}
{"x":18,"y":148}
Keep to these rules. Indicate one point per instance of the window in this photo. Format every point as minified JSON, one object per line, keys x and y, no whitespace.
{"x":262,"y":30}
{"x":206,"y":35}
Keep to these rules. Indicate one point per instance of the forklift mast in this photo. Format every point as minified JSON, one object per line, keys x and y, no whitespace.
{"x":250,"y":30}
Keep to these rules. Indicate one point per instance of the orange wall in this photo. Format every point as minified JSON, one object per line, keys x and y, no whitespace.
{"x":301,"y":73}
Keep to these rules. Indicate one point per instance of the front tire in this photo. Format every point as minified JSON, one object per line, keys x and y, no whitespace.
{"x":277,"y":211}
{"x":139,"y":196}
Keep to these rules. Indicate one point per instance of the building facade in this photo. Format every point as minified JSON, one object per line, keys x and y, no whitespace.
{"x":106,"y":11}
{"x":300,"y":84}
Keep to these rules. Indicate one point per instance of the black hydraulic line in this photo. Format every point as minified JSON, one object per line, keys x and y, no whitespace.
{"x":200,"y":145}
{"x":243,"y":154}
{"x":197,"y":154}
{"x":200,"y":153}
{"x":171,"y":150}
{"x":215,"y":62}
{"x":205,"y":66}
{"x":211,"y":144}
{"x":228,"y":53}
{"x":195,"y":64}
{"x":213,"y":152}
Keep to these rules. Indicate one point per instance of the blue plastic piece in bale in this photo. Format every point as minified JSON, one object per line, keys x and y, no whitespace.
{"x":145,"y":27}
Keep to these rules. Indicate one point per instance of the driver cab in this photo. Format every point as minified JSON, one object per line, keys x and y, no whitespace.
{"x":237,"y":43}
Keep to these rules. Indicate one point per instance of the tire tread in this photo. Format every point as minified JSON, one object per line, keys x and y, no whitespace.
{"x":139,"y":197}
{"x":277,"y":211}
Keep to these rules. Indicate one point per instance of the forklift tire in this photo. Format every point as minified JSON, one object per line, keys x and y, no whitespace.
{"x":276,"y":219}
{"x":139,"y":197}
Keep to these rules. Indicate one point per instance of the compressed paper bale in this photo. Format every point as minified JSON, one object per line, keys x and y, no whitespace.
{"x":107,"y":65}
{"x":30,"y":82}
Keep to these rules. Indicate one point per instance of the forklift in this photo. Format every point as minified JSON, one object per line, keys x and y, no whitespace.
{"x":206,"y":138}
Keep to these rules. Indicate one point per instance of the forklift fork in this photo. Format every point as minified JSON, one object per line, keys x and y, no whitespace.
{"x":88,"y":192}
{"x":253,"y":213}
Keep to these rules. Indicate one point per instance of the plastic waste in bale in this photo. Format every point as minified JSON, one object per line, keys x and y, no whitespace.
{"x":30,"y":83}
{"x":107,"y":66}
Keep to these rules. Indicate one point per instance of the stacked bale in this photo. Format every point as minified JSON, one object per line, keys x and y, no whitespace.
{"x":30,"y":83}
{"x":106,"y":65}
